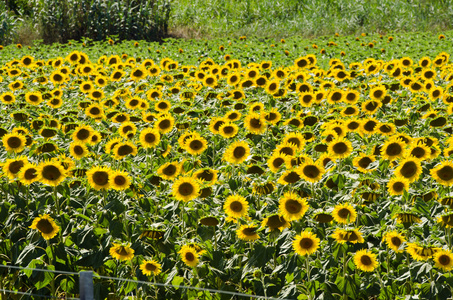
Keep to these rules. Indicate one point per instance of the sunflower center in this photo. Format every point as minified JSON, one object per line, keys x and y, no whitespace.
{"x":206,"y":175}
{"x":51,"y":172}
{"x":396,"y":241}
{"x":44,"y":226}
{"x":83,"y":134}
{"x":30,"y":174}
{"x":239,"y":152}
{"x":340,"y":148}
{"x":255,"y":123}
{"x":150,"y":137}
{"x":293,"y":206}
{"x":195,"y":145}
{"x":398,"y":186}
{"x":236,"y":206}
{"x":170,"y":170}
{"x":150,"y":267}
{"x":249,"y":231}
{"x":101,"y":178}
{"x":409,"y":169}
{"x":278,"y":162}
{"x":15,"y":166}
{"x":124,"y":150}
{"x":369,"y":126}
{"x":78,"y":150}
{"x":351,"y":236}
{"x":444,"y":260}
{"x":228,"y":129}
{"x":119,"y":180}
{"x":336,"y":96}
{"x":95,"y":111}
{"x":186,"y":189}
{"x":366,"y":260}
{"x":306,"y":243}
{"x":33,"y":98}
{"x":344,"y":213}
{"x":364,"y":162}
{"x":311,"y":171}
{"x":164,"y":124}
{"x":275,"y":221}
{"x":292,"y":177}
{"x":14,"y":142}
{"x":189,"y":256}
{"x":394,"y":149}
{"x":122,"y":251}
{"x":445,"y":173}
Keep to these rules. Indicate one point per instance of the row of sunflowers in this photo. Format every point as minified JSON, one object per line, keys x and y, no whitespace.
{"x":309,"y":177}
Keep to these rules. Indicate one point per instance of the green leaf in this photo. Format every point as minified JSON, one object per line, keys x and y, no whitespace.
{"x":177,"y":280}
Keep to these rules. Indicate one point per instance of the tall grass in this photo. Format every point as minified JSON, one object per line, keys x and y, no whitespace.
{"x":269,"y":18}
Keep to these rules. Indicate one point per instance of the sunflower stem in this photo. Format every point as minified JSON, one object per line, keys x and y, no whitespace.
{"x":57,"y":203}
{"x":156,"y":288}
{"x":215,"y":239}
{"x":51,"y":262}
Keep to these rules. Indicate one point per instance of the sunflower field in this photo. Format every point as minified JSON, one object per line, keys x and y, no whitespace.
{"x":291,"y":169}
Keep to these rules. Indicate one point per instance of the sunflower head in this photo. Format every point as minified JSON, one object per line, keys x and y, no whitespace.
{"x":121,"y":252}
{"x":365,"y":260}
{"x":306,"y":243}
{"x":46,"y":226}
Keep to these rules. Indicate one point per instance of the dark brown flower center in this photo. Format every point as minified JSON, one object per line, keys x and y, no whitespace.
{"x":293,"y":206}
{"x":101,"y":178}
{"x":366,"y":260}
{"x":186,"y":189}
{"x":311,"y":171}
{"x":44,"y":226}
{"x":306,"y":243}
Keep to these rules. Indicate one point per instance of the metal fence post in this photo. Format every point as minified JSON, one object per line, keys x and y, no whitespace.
{"x":86,"y":285}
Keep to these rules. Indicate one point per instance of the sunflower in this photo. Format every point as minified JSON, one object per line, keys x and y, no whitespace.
{"x":363,"y":161}
{"x":119,"y":180}
{"x":149,"y":137}
{"x":78,"y":150}
{"x":255,"y":123}
{"x":228,"y":130}
{"x":33,"y":98}
{"x":237,"y":152}
{"x":407,"y":218}
{"x":443,"y":259}
{"x":127,"y":130}
{"x":348,"y":235}
{"x":443,"y":173}
{"x":397,"y":185}
{"x":122,"y":149}
{"x":196,"y":145}
{"x":248,"y":233}
{"x":207,"y":176}
{"x":344,"y":213}
{"x":275,"y":222}
{"x":99,"y":177}
{"x":339,"y":148}
{"x":368,"y":126}
{"x":121,"y":252}
{"x":365,"y":260}
{"x":306,"y":243}
{"x":421,"y":253}
{"x":14,"y":142}
{"x":288,"y":177}
{"x":150,"y":267}
{"x":28,"y":174}
{"x":322,"y":216}
{"x":394,"y":241}
{"x":292,"y":207}
{"x":94,"y":111}
{"x":7,"y":98}
{"x":276,"y":161}
{"x":82,"y":134}
{"x":133,"y":103}
{"x":51,"y":173}
{"x":185,"y":189}
{"x":311,"y":172}
{"x":409,"y":168}
{"x":46,"y":226}
{"x":236,"y":206}
{"x":169,"y":170}
{"x":189,"y":255}
{"x":393,"y":149}
{"x":164,"y":123}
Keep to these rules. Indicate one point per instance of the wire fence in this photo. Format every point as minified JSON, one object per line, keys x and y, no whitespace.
{"x":124,"y":280}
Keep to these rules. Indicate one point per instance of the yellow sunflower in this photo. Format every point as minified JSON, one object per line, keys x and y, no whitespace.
{"x":292,"y":207}
{"x":122,"y":149}
{"x":189,"y":256}
{"x":311,"y":172}
{"x":236,"y":206}
{"x":150,"y":267}
{"x":119,"y":180}
{"x":51,"y":173}
{"x":394,"y":241}
{"x":185,"y":189}
{"x":28,"y":174}
{"x":46,"y":226}
{"x":14,"y":142}
{"x":149,"y":138}
{"x":275,"y":222}
{"x":196,"y":145}
{"x":99,"y":177}
{"x":248,"y":233}
{"x":421,"y":253}
{"x":207,"y":175}
{"x":237,"y":152}
{"x":344,"y":213}
{"x":397,"y":185}
{"x":409,"y":168}
{"x":443,"y":173}
{"x":363,"y":161}
{"x":306,"y":243}
{"x":339,"y":148}
{"x":121,"y":252}
{"x":255,"y":123}
{"x":393,"y":149}
{"x":443,"y":259}
{"x":365,"y":260}
{"x":348,"y":235}
{"x":82,"y":134}
{"x":164,"y":123}
{"x":169,"y":170}
{"x":78,"y":150}
{"x":228,"y":130}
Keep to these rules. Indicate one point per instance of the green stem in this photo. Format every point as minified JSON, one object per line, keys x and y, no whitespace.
{"x":51,"y":262}
{"x":57,"y":203}
{"x":215,"y":239}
